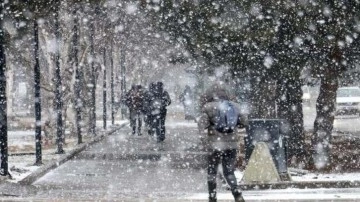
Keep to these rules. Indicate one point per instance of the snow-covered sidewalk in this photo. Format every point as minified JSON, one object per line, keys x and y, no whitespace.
{"x":22,"y":154}
{"x":21,"y":166}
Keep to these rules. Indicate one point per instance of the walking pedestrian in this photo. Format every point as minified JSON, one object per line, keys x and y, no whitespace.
{"x":148,"y":97}
{"x":159,"y":101}
{"x":134,"y":101}
{"x":187,"y":99}
{"x":218,"y":124}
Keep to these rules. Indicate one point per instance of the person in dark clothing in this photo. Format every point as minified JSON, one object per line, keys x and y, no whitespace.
{"x":221,"y":146}
{"x":134,"y":101}
{"x":159,"y":101}
{"x":187,"y":99}
{"x":148,"y":97}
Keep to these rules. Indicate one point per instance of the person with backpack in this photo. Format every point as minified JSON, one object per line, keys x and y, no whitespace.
{"x":134,"y":101}
{"x":220,"y":117}
{"x":159,"y":101}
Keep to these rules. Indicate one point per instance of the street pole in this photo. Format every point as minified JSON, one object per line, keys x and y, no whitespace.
{"x":3,"y":104}
{"x":58,"y":84}
{"x":38,"y":154}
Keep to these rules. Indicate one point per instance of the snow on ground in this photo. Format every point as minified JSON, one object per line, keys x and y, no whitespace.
{"x":288,"y":195}
{"x":20,"y":166}
{"x":23,"y":165}
{"x":314,"y":177}
{"x":328,"y":177}
{"x":185,"y":123}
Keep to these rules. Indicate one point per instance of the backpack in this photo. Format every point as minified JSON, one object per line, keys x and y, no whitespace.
{"x":226,"y":118}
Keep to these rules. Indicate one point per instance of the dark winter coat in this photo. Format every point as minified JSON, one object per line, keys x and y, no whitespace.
{"x":155,"y":93}
{"x":134,"y":98}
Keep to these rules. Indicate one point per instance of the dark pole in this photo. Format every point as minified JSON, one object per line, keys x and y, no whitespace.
{"x":3,"y":104}
{"x":104,"y":91}
{"x":93,"y":81}
{"x":112,"y":86}
{"x":37,"y":96}
{"x":58,"y":84}
{"x":78,"y":83}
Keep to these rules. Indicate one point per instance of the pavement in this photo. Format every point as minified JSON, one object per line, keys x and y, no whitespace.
{"x":180,"y":152}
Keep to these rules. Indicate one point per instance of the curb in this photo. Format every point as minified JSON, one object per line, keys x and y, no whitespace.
{"x":301,"y":185}
{"x":28,"y":180}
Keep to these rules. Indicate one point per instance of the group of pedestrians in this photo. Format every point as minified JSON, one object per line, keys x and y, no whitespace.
{"x":218,"y":122}
{"x":148,"y":104}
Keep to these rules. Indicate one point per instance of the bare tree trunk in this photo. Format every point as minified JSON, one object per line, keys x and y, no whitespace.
{"x":9,"y":89}
{"x":112,"y":85}
{"x":123,"y":83}
{"x":4,"y":170}
{"x":58,"y":85}
{"x":78,"y":81}
{"x":323,"y":125}
{"x":104,"y":91}
{"x":289,"y":102}
{"x":263,"y":98}
{"x":38,"y":127}
{"x":92,"y":81}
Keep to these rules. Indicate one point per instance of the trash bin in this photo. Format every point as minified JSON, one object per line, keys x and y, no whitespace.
{"x":273,"y":133}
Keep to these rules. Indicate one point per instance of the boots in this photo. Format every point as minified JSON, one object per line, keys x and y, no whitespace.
{"x":212,"y":189}
{"x":238,"y":195}
{"x":212,"y":197}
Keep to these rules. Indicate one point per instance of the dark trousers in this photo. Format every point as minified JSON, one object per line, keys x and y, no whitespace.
{"x":158,"y":125}
{"x":162,"y":124}
{"x":135,"y":116}
{"x":227,"y":158}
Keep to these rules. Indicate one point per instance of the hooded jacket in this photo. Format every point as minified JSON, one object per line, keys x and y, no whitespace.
{"x":213,"y":139}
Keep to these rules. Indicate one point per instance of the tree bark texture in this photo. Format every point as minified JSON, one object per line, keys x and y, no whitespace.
{"x":104,"y":92}
{"x":262,"y":98}
{"x":58,"y":84}
{"x":37,"y":103}
{"x":112,"y":86}
{"x":4,"y":171}
{"x":289,"y":108}
{"x":78,"y":78}
{"x":325,"y":114}
{"x":93,"y":81}
{"x":123,"y":83}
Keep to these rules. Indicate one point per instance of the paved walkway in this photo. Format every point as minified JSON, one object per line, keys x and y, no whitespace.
{"x":128,"y":167}
{"x":123,"y":167}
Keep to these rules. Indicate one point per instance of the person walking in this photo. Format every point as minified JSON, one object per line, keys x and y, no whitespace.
{"x":187,"y":99}
{"x":159,"y":101}
{"x":147,"y":111}
{"x":134,"y":101}
{"x":220,"y":117}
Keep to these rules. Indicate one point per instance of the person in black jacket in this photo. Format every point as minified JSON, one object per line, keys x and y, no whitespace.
{"x":159,"y":101}
{"x":148,"y":97}
{"x":134,"y":101}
